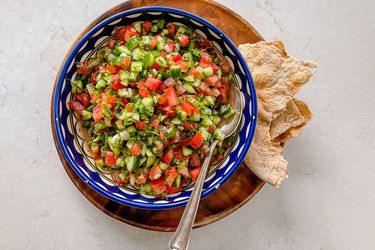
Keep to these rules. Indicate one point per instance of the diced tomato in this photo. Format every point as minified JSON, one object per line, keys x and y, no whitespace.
{"x":172,"y":189}
{"x":180,"y":89}
{"x":178,"y":154}
{"x":189,"y":125}
{"x":93,"y":77}
{"x":211,"y":129}
{"x":171,"y":30}
{"x":112,"y":100}
{"x":226,"y":67}
{"x":120,"y":33}
{"x":206,"y":43}
{"x":124,"y":101}
{"x":156,"y":66}
{"x":83,"y":98}
{"x":194,"y":160}
{"x":143,"y":91}
{"x":155,"y":173}
{"x":184,"y":171}
{"x":176,"y":57}
{"x":202,"y":88}
{"x":168,"y":156}
{"x":153,"y":83}
{"x":112,"y":43}
{"x":155,"y":123}
{"x":162,"y":100}
{"x":169,"y":47}
{"x":114,"y":82}
{"x":96,"y":154}
{"x":185,"y":142}
{"x":223,"y":96}
{"x":183,"y":40}
{"x":130,"y":31}
{"x":84,"y":68}
{"x":140,"y":179}
{"x":76,"y":106}
{"x":118,"y":123}
{"x":110,"y":158}
{"x":171,"y":95}
{"x":158,"y":186}
{"x":126,"y":62}
{"x":153,"y":42}
{"x":205,"y":57}
{"x":215,"y":67}
{"x":129,"y":107}
{"x":194,"y":73}
{"x":182,"y":64}
{"x":171,"y":175}
{"x":116,"y":177}
{"x":162,"y":136}
{"x":112,"y":69}
{"x":226,"y":144}
{"x":212,"y":80}
{"x":219,"y":157}
{"x":187,"y":107}
{"x":204,"y":148}
{"x":175,"y":139}
{"x":97,"y":112}
{"x":162,"y":86}
{"x":197,"y":140}
{"x":195,"y":173}
{"x":146,"y":27}
{"x":136,"y":149}
{"x":204,"y":65}
{"x":140,"y":125}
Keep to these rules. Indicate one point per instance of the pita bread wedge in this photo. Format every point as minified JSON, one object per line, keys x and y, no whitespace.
{"x":305,"y":116}
{"x":277,"y":77}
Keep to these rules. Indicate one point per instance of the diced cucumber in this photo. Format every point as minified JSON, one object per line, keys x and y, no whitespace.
{"x":194,"y":118}
{"x":132,"y":43}
{"x":155,"y":53}
{"x":117,"y":60}
{"x":176,"y":121}
{"x":216,"y":119}
{"x":137,"y":54}
{"x":150,"y":161}
{"x":207,"y":122}
{"x":196,"y":83}
{"x":177,"y":181}
{"x":138,"y":27}
{"x":131,"y":129}
{"x":161,"y":61}
{"x":170,"y":132}
{"x":196,"y":52}
{"x":175,"y":71}
{"x":148,"y":59}
{"x":133,"y":76}
{"x":224,"y":109}
{"x":180,"y":31}
{"x":218,"y":135}
{"x":204,"y":133}
{"x":124,"y":75}
{"x":154,"y":28}
{"x":189,"y":78}
{"x":230,"y":113}
{"x":186,"y":151}
{"x":148,"y":101}
{"x":189,"y":89}
{"x":136,"y":66}
{"x":146,"y":40}
{"x":181,"y":115}
{"x":189,"y":31}
{"x":132,"y":163}
{"x":86,"y":115}
{"x":208,"y":71}
{"x":160,"y":24}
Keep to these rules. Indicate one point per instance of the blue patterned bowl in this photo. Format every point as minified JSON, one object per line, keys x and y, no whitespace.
{"x":71,"y":136}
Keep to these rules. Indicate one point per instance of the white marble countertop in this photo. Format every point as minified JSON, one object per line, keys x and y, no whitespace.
{"x":328,"y":202}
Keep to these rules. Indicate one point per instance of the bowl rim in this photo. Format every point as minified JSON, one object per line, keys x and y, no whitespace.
{"x":70,"y":57}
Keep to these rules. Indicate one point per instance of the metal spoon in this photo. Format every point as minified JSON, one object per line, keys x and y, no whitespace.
{"x":180,"y":239}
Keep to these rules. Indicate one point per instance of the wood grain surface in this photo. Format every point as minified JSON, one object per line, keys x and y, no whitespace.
{"x":238,"y":190}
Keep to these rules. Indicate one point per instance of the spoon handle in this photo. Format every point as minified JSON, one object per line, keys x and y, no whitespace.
{"x":180,"y":239}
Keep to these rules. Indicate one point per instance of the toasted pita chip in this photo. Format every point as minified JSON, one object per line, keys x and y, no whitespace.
{"x":294,"y":130}
{"x":277,"y":78}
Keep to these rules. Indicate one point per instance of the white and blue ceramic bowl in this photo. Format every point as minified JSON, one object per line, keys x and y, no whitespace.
{"x":70,"y":135}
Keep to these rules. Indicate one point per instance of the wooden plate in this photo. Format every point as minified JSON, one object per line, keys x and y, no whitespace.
{"x":238,"y":190}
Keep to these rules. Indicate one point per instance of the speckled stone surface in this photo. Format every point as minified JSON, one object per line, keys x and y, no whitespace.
{"x":328,"y":202}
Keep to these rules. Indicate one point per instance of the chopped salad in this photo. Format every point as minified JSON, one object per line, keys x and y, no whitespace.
{"x":151,"y":101}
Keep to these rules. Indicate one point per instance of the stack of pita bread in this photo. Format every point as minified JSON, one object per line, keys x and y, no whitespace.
{"x":277,"y":77}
